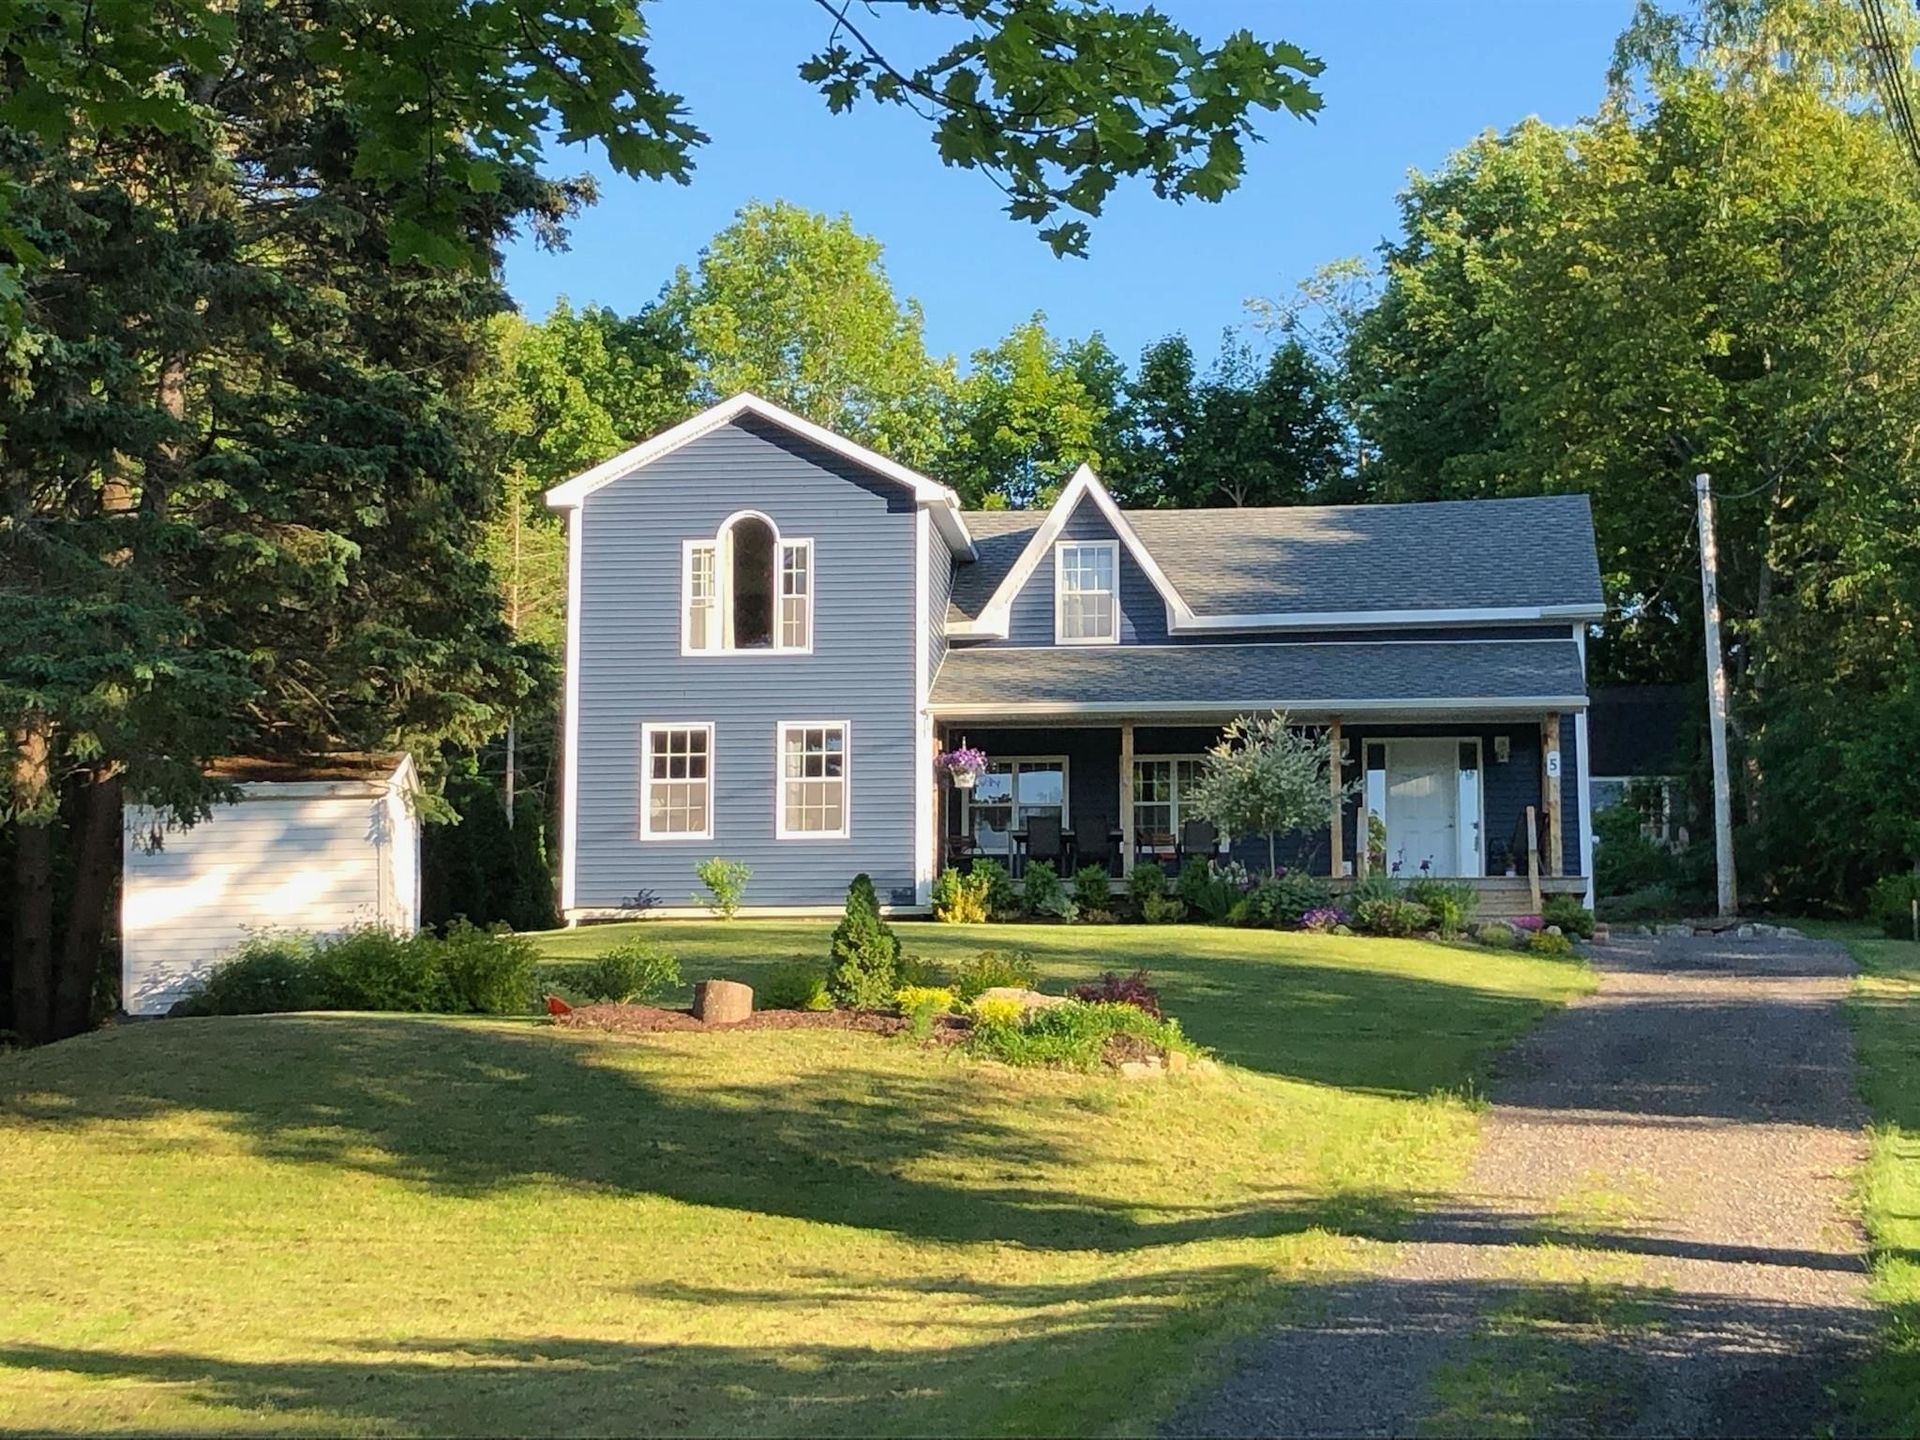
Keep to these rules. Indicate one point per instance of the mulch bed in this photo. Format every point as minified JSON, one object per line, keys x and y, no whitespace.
{"x":652,"y":1020}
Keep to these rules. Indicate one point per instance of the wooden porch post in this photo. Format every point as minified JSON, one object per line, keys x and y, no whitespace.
{"x":932,"y":772}
{"x":1550,"y":789}
{"x":1336,"y":798}
{"x":1126,"y":797}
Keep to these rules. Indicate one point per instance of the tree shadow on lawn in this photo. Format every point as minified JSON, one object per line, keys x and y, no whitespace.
{"x":1015,"y":1374}
{"x":467,"y":1109}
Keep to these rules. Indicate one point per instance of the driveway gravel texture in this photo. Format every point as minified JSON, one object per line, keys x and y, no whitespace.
{"x":1654,"y":1238}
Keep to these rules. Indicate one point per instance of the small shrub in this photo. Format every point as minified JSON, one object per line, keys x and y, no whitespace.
{"x":1450,"y":903}
{"x":269,"y":975}
{"x":796,"y":984}
{"x":1092,"y":890}
{"x":1547,"y":942}
{"x":1145,"y":881}
{"x":991,"y":969}
{"x":490,"y":972}
{"x":1653,"y":902}
{"x":1072,"y":1036}
{"x":1395,"y":918}
{"x":633,"y":971}
{"x":1569,"y":914}
{"x":1210,"y":889}
{"x":960,"y":898}
{"x":1377,"y":886}
{"x":1323,"y":920}
{"x":918,"y":970}
{"x":375,"y":969}
{"x":1111,"y":988}
{"x":1282,"y":899}
{"x":996,"y":1012}
{"x":1497,"y":935}
{"x":866,"y":952}
{"x":1003,"y":896}
{"x":726,"y":882}
{"x":1098,"y":917}
{"x":1044,"y":893}
{"x":1163,"y":909}
{"x":922,"y":1005}
{"x":1890,"y":903}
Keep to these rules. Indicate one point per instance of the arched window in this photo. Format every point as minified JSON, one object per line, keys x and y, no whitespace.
{"x":750,"y":600}
{"x":746,"y":589}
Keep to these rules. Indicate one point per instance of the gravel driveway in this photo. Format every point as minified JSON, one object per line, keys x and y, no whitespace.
{"x":1653,"y":1239}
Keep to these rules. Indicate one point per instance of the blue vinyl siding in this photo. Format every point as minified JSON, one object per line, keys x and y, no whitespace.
{"x":861,"y":670}
{"x":1143,"y":614}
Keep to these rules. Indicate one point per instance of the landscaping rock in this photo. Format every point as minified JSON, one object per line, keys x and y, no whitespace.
{"x":1141,"y":1070}
{"x":1025,"y":999}
{"x":1745,"y":932}
{"x":1178,"y":1061}
{"x":1602,"y":935}
{"x":722,"y":1002}
{"x":1787,"y":932}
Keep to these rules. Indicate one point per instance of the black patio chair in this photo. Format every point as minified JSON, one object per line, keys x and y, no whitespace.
{"x":1198,"y":837}
{"x":1093,"y":842}
{"x":1043,"y":840}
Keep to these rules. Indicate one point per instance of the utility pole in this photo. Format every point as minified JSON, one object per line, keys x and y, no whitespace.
{"x":1716,"y":698}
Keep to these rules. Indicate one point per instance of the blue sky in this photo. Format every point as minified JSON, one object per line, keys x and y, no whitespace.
{"x":1407,"y":82}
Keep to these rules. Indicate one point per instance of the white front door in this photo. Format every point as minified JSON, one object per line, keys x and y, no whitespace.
{"x":1423,"y":807}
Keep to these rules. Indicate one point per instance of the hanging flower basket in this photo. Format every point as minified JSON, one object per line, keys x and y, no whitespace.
{"x":963,"y":766}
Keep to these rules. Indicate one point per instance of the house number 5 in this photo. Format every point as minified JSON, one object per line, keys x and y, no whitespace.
{"x":1553,"y":764}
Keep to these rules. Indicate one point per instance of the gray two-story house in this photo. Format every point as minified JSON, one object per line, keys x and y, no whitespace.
{"x":773,"y":631}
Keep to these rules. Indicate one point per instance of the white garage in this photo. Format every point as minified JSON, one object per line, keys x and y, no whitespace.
{"x":319,"y":845}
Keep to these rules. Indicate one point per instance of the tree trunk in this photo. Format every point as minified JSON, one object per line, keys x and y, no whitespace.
{"x":32,"y":888}
{"x":96,"y":853}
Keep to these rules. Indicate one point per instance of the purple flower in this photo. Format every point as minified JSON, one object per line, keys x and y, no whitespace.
{"x":1527,"y":922}
{"x":966,"y":758}
{"x":1323,"y":918}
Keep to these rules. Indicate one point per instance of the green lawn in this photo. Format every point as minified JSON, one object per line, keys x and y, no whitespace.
{"x":403,"y":1224}
{"x":1886,"y":1016}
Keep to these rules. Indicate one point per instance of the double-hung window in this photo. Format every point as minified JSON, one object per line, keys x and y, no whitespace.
{"x":1160,"y":786}
{"x":1086,"y":600}
{"x":813,"y":780}
{"x":746,"y":590}
{"x":676,"y":801}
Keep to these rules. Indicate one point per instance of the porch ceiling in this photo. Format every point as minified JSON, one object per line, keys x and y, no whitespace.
{"x":1386,"y":678}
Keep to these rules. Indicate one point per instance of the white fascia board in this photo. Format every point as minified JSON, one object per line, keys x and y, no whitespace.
{"x":1518,"y":705}
{"x":937,"y":497}
{"x":1383,"y":619}
{"x":993,"y":618}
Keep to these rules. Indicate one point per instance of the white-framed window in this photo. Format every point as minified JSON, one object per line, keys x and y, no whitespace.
{"x":676,"y":782}
{"x":746,"y":591}
{"x":1086,"y":593}
{"x":700,"y":613}
{"x":1012,"y":790}
{"x":796,"y":594}
{"x":1160,"y":785}
{"x":813,"y":802}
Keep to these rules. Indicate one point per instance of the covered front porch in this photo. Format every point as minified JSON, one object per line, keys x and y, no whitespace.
{"x":1478,"y":795}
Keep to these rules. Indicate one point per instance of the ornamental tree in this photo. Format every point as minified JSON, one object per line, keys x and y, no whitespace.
{"x":1263,"y":778}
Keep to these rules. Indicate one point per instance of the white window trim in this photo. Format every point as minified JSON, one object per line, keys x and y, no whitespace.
{"x":780,"y":830}
{"x":1222,"y":843}
{"x":1066,"y":791}
{"x":721,"y":540}
{"x":647,"y":732}
{"x":1112,"y":547}
{"x":780,"y":549}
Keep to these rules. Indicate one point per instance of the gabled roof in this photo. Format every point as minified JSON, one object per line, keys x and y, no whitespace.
{"x":943,"y":504}
{"x":1318,"y":566}
{"x":1085,"y":486}
{"x":1346,"y":677}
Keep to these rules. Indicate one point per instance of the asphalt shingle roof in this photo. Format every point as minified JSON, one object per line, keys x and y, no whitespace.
{"x":1280,"y":676}
{"x":1442,"y":555}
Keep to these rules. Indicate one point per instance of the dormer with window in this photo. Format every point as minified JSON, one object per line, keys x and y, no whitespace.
{"x":1086,"y":592}
{"x":746,"y":589}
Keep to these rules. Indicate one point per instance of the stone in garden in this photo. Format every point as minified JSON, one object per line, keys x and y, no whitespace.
{"x":1025,"y":999}
{"x":1765,"y":930}
{"x":1601,"y":935}
{"x":1787,"y":932}
{"x":1555,"y":930}
{"x":1177,"y":1061}
{"x":1141,"y":1070}
{"x":1745,"y":932}
{"x":722,"y":1002}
